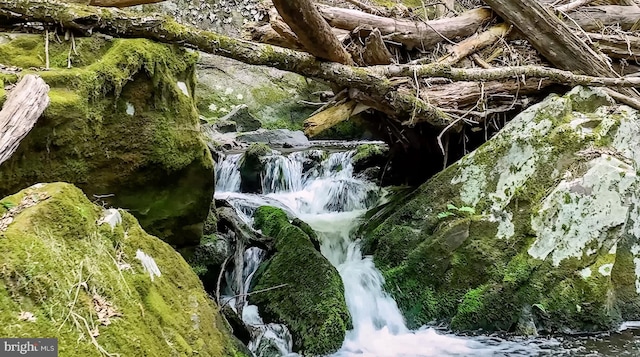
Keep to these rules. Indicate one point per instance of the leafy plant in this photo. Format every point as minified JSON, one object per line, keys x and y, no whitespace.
{"x":452,"y":210}
{"x":6,"y":204}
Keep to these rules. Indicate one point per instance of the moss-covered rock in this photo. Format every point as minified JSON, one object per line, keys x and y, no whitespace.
{"x":96,"y":281}
{"x":541,"y":221}
{"x":271,"y":96}
{"x":311,"y":304}
{"x":122,"y":124}
{"x":251,"y":167}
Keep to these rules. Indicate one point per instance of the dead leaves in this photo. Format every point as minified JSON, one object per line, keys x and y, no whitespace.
{"x":105,"y":310}
{"x":26,"y":316}
{"x":28,"y":201}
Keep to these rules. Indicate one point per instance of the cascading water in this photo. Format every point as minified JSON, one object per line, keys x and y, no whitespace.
{"x":321,"y":189}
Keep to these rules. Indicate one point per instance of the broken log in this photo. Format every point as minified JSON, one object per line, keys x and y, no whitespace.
{"x":375,"y":51}
{"x":331,"y":117}
{"x":474,"y":43}
{"x":24,"y":105}
{"x":375,"y":81}
{"x":408,"y":32}
{"x":312,"y":31}
{"x":617,"y":46}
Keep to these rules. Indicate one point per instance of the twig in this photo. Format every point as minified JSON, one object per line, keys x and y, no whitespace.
{"x":444,"y":131}
{"x":75,"y":299}
{"x":251,"y":293}
{"x":93,"y":339}
{"x":46,"y":48}
{"x":222,"y":269}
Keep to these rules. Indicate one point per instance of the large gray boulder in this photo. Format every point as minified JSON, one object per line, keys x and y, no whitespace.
{"x":537,"y":229}
{"x":276,"y":137}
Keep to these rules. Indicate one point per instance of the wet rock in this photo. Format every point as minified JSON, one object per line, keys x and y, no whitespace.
{"x":243,"y":119}
{"x":251,"y":167}
{"x":225,"y":126}
{"x":551,"y":207}
{"x":275,"y":138}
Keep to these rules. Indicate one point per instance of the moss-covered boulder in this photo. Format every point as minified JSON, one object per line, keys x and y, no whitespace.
{"x":311,"y":304}
{"x":96,"y":281}
{"x":539,"y":226}
{"x":122,"y":124}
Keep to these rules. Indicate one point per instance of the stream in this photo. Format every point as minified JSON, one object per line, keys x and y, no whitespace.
{"x":319,"y":187}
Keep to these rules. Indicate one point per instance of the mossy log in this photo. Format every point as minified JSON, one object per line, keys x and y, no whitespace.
{"x":24,"y":105}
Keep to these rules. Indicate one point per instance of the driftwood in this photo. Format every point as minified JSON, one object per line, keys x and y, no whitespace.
{"x":24,"y":105}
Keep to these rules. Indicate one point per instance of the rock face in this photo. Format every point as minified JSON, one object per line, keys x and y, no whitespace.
{"x":275,"y":138}
{"x":87,"y":274}
{"x":122,"y":124}
{"x":312,"y":303}
{"x":272,"y":96}
{"x":538,"y":228}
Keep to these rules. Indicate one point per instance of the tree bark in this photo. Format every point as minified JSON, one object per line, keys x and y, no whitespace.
{"x":312,"y":30}
{"x":24,"y":105}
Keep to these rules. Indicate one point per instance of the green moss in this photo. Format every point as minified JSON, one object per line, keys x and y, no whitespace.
{"x":117,"y":124}
{"x":311,"y":303}
{"x":61,"y":266}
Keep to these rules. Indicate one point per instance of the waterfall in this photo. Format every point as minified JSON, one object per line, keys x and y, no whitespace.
{"x":319,"y":187}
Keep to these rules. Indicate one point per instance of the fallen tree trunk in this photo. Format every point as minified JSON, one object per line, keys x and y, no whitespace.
{"x":595,"y":18}
{"x":428,"y":33}
{"x":312,"y":31}
{"x":24,"y":105}
{"x":410,"y":33}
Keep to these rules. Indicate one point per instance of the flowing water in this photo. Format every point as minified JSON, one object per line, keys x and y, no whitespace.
{"x":320,"y":188}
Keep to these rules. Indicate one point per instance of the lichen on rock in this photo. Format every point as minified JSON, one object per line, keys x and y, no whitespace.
{"x":537,"y":226}
{"x":121,"y":124}
{"x":66,"y":271}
